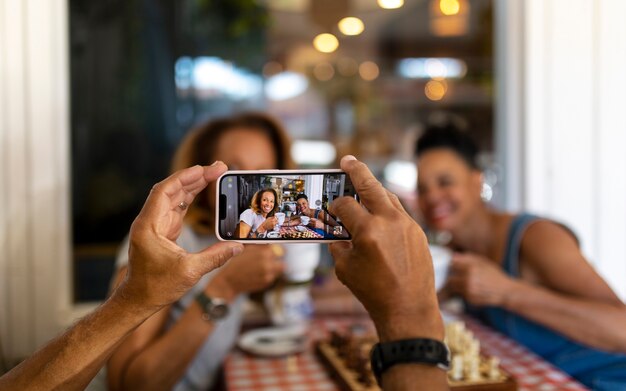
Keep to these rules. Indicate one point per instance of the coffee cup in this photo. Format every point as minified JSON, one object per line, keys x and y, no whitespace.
{"x":442,"y":257}
{"x":305,"y":220}
{"x":281,"y":218}
{"x":300,"y":261}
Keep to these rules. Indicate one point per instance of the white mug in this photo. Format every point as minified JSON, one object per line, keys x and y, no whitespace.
{"x":301,"y":260}
{"x":442,"y":256}
{"x":305,"y":220}
{"x":281,"y":218}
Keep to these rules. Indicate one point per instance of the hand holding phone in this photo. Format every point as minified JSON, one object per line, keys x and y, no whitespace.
{"x":281,"y":205}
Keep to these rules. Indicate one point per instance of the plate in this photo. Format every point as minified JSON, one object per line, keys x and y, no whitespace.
{"x":273,"y":235}
{"x":274,"y":341}
{"x":301,"y":228}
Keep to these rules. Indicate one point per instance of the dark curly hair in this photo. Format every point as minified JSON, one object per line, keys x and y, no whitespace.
{"x":452,"y":138}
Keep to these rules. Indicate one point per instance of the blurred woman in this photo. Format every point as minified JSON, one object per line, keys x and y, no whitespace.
{"x":522,"y":274}
{"x":259,"y":218}
{"x":183,"y":346}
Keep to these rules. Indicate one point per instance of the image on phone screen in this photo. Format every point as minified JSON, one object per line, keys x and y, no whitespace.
{"x":282,"y":205}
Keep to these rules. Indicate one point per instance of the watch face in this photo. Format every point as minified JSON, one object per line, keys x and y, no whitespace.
{"x":218,"y":311}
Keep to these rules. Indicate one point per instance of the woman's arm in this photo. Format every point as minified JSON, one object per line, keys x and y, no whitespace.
{"x":154,"y":359}
{"x":144,"y":360}
{"x":572,"y":299}
{"x":558,"y":288}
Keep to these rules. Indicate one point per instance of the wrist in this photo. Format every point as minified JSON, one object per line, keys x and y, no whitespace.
{"x":425,"y":323}
{"x":220,"y":287}
{"x":512,"y":294}
{"x":123,"y":298}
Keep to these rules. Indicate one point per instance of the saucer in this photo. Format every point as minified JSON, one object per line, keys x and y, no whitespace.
{"x":301,"y":228}
{"x":274,"y":341}
{"x":273,"y":235}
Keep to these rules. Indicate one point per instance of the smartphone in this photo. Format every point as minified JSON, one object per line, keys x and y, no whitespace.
{"x":281,"y":205}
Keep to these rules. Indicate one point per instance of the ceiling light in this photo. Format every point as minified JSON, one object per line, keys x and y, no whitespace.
{"x":390,"y":4}
{"x":351,"y":26}
{"x":326,"y":43}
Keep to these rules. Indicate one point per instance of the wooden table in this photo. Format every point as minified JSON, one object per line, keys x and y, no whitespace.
{"x":303,"y":372}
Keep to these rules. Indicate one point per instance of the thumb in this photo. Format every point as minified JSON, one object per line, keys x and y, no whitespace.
{"x":215,"y":256}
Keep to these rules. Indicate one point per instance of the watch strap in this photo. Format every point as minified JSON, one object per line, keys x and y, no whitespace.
{"x":418,"y":350}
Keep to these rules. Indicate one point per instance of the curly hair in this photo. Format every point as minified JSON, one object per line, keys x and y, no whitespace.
{"x":255,"y":203}
{"x":452,"y":138}
{"x":200,"y":147}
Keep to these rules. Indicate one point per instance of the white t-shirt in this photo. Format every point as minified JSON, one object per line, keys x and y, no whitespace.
{"x":252,"y":219}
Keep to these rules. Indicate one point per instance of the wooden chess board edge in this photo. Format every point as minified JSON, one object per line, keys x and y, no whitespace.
{"x":344,"y":377}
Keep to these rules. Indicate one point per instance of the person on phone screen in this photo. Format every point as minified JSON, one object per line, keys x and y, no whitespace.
{"x":259,"y":219}
{"x":522,"y":274}
{"x":317,"y":219}
{"x":183,"y":346}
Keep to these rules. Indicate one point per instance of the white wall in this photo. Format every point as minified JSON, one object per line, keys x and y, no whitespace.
{"x":34,"y":155}
{"x":573,"y":103}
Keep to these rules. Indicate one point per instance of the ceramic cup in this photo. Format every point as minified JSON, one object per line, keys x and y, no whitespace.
{"x":281,"y":218}
{"x":305,"y":220}
{"x":442,"y":257}
{"x":301,"y":260}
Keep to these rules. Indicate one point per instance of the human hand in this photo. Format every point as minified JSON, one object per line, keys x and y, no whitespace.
{"x":316,"y":223}
{"x":478,"y":280}
{"x":270,"y":223}
{"x":159,"y":271}
{"x":254,"y":269}
{"x":387,"y":265}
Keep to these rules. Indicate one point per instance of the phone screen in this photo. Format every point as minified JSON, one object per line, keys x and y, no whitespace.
{"x":281,"y":205}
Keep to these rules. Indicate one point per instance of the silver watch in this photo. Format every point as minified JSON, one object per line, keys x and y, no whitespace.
{"x":213,"y":308}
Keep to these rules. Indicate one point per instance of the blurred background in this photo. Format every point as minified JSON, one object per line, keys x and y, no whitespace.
{"x":343,"y":76}
{"x":95,"y":97}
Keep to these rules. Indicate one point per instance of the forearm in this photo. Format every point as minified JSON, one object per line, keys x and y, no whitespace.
{"x":593,"y":323}
{"x":415,"y":377}
{"x":70,"y":361}
{"x":153,"y":368}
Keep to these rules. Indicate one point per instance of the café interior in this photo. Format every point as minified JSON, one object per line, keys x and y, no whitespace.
{"x":96,"y":97}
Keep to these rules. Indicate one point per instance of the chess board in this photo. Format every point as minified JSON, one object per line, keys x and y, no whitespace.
{"x":347,"y":358}
{"x":299,"y":232}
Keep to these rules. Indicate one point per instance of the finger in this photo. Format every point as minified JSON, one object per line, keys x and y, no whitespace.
{"x":215,"y":256}
{"x":180,"y":187}
{"x":350,"y":212}
{"x":371,"y":192}
{"x":395,"y":201}
{"x":191,"y":180}
{"x":341,"y":253}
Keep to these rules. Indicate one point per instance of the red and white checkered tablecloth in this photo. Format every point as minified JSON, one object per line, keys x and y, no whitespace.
{"x":303,"y":372}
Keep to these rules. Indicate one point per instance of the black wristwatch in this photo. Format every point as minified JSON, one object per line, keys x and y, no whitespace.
{"x":213,"y":308}
{"x":419,"y":350}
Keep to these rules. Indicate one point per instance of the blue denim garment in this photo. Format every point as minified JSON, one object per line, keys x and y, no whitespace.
{"x":594,"y":368}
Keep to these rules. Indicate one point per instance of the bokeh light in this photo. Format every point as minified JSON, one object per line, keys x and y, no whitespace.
{"x":436,"y":89}
{"x":390,"y":4}
{"x":449,"y":7}
{"x":369,"y":70}
{"x":351,"y":26}
{"x":326,"y":43}
{"x":324,"y":71}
